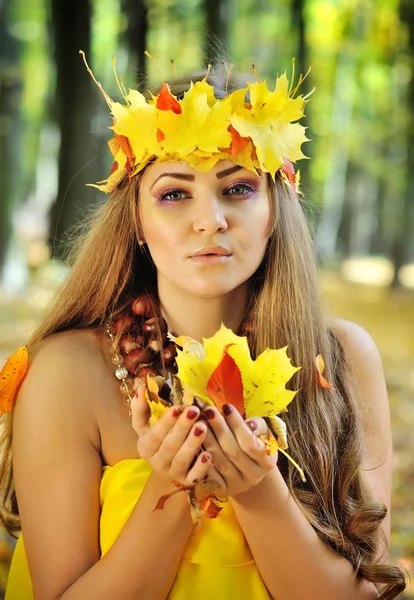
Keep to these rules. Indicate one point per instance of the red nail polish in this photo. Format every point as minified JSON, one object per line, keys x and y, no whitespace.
{"x":191,"y":414}
{"x":177,"y":411}
{"x":198,"y":431}
{"x":227,"y":409}
{"x":204,"y":458}
{"x":252,"y":425}
{"x":210,"y":414}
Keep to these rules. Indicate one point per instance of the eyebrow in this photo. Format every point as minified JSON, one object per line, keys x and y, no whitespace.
{"x":188,"y":177}
{"x":229,"y":171}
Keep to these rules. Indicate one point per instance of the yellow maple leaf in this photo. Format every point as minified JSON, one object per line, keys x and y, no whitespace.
{"x":268,"y":122}
{"x":199,"y":126}
{"x":138,"y":122}
{"x":264,"y":379}
{"x":157,"y":405}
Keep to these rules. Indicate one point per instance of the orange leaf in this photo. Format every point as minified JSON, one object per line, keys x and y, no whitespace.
{"x":126,"y":149}
{"x":166,"y":101}
{"x":225,"y":385}
{"x":320,"y":366}
{"x":238,"y":143}
{"x":11,"y":377}
{"x":289,"y":171}
{"x":210,"y":508}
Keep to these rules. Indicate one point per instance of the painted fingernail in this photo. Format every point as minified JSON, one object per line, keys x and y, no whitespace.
{"x":191,"y":414}
{"x":252,"y":425}
{"x":227,"y":409}
{"x":210,"y":414}
{"x":204,"y":458}
{"x":177,"y":411}
{"x":198,"y":431}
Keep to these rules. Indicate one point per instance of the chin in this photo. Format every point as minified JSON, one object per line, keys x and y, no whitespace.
{"x":213,"y":289}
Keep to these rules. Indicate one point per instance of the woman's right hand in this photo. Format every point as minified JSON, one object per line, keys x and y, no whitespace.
{"x":172,"y":446}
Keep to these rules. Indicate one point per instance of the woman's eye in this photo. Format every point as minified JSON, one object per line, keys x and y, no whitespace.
{"x":174,"y":195}
{"x":239,"y":189}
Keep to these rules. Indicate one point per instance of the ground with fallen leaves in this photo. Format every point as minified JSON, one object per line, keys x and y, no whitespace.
{"x":387,"y":314}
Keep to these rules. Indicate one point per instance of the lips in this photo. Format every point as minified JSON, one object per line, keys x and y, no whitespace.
{"x":211,"y":251}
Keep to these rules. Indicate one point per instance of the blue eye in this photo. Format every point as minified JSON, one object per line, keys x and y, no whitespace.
{"x":173,"y":195}
{"x":239,"y":189}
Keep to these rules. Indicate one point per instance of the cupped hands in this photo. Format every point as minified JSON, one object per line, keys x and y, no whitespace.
{"x":187,"y":445}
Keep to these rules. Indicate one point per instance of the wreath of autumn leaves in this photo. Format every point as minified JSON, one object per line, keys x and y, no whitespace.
{"x":261,"y":135}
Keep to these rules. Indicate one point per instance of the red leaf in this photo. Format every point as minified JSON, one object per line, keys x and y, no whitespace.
{"x":225,"y":385}
{"x":166,"y":101}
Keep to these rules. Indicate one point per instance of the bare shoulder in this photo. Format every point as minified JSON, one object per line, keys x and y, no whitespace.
{"x":364,"y":365}
{"x":68,"y":345}
{"x":61,"y":380}
{"x":355,"y":340}
{"x":365,"y":368}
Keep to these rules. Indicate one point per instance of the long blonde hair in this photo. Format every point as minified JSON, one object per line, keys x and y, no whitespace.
{"x":109,"y":269}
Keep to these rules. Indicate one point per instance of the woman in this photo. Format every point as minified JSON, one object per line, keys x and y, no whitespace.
{"x":203,"y":226}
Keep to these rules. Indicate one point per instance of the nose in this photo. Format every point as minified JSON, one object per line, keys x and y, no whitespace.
{"x":209,"y":216}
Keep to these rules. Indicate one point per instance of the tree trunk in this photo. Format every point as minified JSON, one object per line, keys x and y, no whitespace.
{"x":10,"y":163}
{"x":74,"y":100}
{"x":217,"y":21}
{"x":135,"y":38}
{"x":302,"y":66}
{"x":334,"y":196}
{"x":403,"y":240}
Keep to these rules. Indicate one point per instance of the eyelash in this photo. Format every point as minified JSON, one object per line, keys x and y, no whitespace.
{"x":250,"y":189}
{"x":164,"y":197}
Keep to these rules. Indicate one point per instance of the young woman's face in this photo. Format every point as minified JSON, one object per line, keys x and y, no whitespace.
{"x":207,"y":232}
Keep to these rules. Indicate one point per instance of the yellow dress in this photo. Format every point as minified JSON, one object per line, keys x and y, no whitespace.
{"x":217,"y":562}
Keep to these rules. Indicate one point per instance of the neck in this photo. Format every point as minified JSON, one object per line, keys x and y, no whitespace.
{"x":200,"y":317}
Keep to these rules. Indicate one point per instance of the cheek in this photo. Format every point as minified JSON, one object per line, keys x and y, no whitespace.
{"x":160,"y":236}
{"x":259,"y":226}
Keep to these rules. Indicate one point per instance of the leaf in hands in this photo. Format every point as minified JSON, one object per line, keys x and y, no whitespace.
{"x":203,"y":501}
{"x":189,"y":345}
{"x":225,"y":385}
{"x":176,"y":390}
{"x":279,"y":429}
{"x":204,"y":488}
{"x":210,"y":507}
{"x":270,"y":442}
{"x":320,"y":367}
{"x":196,"y":365}
{"x":157,"y":405}
{"x":181,"y":488}
{"x":263,"y":379}
{"x":188,"y":396}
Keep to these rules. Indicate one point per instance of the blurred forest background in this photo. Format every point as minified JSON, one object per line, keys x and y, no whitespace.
{"x":359,"y":185}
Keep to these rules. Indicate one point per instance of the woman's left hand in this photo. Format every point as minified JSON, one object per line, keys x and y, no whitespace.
{"x":239,"y":456}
